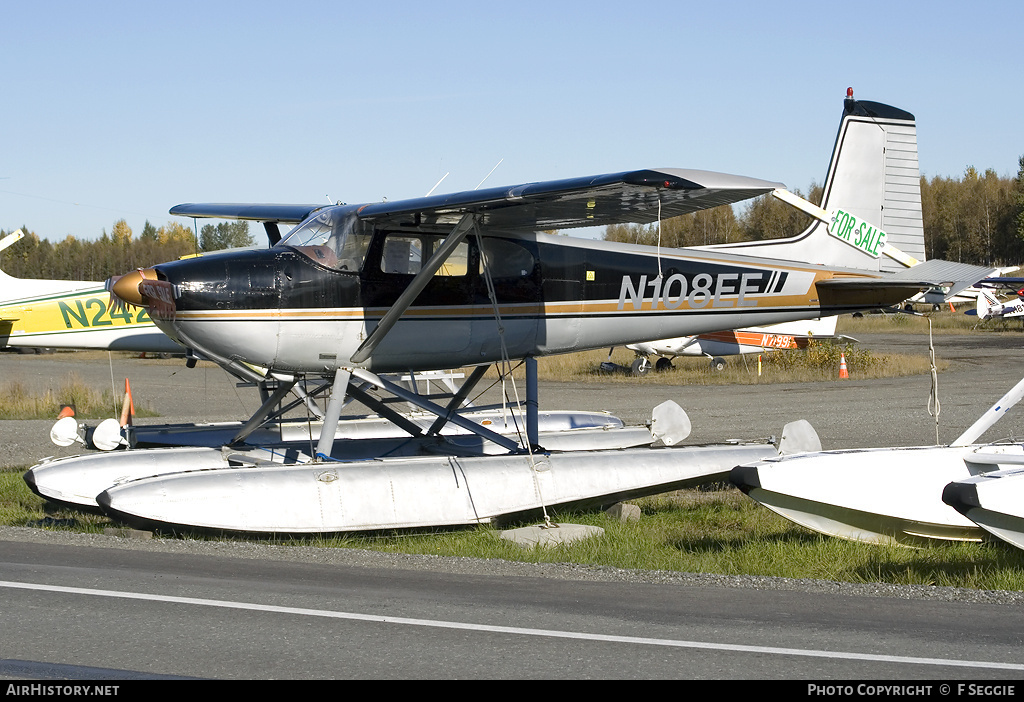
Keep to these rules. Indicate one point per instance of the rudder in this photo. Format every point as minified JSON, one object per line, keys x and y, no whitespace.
{"x":874,"y":175}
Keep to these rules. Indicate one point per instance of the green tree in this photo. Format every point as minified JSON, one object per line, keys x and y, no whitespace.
{"x":148,"y":232}
{"x":1019,"y":200}
{"x":226,"y":235}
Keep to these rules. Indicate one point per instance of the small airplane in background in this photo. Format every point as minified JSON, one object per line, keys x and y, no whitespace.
{"x":733,"y":342}
{"x":990,"y":307}
{"x":945,"y":295}
{"x":468,"y":279}
{"x":72,"y":314}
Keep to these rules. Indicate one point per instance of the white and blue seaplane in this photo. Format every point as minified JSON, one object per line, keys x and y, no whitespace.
{"x":356,"y":292}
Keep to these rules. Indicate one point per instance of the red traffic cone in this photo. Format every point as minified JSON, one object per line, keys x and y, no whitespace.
{"x":843,"y":374}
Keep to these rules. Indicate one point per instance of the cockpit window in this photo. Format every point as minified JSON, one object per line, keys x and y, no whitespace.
{"x":334,"y":238}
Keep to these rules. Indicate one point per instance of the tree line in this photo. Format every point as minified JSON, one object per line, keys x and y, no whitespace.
{"x":116,"y":252}
{"x":976,"y":218}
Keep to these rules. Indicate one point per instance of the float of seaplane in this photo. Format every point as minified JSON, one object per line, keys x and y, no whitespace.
{"x":992,"y":500}
{"x":355,"y":292}
{"x":909,"y":496}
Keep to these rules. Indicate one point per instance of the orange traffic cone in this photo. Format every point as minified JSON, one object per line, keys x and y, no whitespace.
{"x":843,"y":374}
{"x":128,"y":406}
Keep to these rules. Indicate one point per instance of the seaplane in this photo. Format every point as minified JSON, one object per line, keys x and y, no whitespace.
{"x":80,"y":315}
{"x":356,"y":291}
{"x":906,"y":496}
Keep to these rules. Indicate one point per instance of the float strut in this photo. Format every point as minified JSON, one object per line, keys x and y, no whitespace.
{"x":532,"y":432}
{"x":326,"y":443}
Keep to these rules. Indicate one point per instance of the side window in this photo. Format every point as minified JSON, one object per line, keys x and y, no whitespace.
{"x":406,"y":255}
{"x":506,"y":259}
{"x":402,"y":254}
{"x":458,"y":263}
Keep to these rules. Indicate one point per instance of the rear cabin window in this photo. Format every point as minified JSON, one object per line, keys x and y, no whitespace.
{"x":506,"y":259}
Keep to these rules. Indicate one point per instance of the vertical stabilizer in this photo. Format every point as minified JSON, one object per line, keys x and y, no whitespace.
{"x":874,"y":175}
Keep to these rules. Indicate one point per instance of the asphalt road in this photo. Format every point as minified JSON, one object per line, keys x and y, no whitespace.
{"x":78,"y":607}
{"x":84,"y":608}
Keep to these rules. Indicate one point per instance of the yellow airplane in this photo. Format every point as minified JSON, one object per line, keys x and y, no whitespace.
{"x":72,"y":314}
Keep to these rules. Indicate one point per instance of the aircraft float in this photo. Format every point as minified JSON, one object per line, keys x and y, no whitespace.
{"x":909,"y":496}
{"x":467,"y":279}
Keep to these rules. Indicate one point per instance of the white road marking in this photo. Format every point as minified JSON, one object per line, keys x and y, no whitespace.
{"x":519,"y":631}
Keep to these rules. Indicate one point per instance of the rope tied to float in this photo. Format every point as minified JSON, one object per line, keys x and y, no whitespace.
{"x":934,"y":408}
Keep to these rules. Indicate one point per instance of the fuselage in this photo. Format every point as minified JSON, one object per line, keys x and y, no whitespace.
{"x":307,"y":308}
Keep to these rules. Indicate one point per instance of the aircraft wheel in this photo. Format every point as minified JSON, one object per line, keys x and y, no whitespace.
{"x":641,"y":366}
{"x":662,"y":364}
{"x":717,"y":364}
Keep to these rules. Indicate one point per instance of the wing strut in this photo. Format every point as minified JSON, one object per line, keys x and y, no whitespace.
{"x":415,"y":287}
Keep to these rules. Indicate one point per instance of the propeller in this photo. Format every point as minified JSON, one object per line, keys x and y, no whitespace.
{"x":124,"y":289}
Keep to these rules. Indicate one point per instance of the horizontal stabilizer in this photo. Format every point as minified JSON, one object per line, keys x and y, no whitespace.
{"x":897,"y":287}
{"x":923,"y":275}
{"x":248,"y":211}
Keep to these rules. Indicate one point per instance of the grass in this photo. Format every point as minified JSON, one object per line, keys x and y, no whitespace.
{"x":818,"y":362}
{"x":692,"y":531}
{"x":16,"y":402}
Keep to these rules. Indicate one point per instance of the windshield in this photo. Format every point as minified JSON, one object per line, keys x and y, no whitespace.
{"x":334,"y":237}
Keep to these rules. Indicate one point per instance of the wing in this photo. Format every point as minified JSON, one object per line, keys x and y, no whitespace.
{"x":614,"y":198}
{"x":630,"y":196}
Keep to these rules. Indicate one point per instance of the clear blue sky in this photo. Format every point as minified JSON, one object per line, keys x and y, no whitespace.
{"x":123,"y":109}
